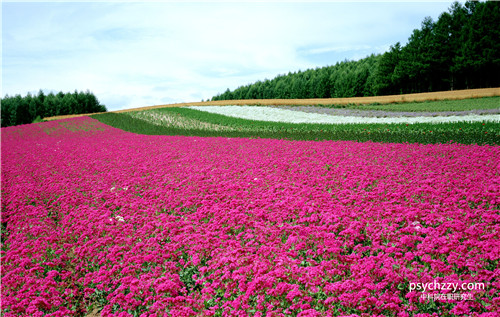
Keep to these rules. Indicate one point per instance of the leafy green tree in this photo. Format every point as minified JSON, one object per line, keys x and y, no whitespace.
{"x":296,"y":87}
{"x":443,"y":53}
{"x":485,"y":27}
{"x":22,"y":110}
{"x":58,"y":103}
{"x":319,"y":83}
{"x":370,"y":88}
{"x":68,"y":103}
{"x":8,"y":115}
{"x":94,"y":105}
{"x":40,"y":104}
{"x":457,"y":37}
{"x":32,"y":109}
{"x":415,"y":60}
{"x":49,"y":104}
{"x":13,"y":112}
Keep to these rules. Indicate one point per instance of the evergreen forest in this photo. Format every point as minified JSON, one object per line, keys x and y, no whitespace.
{"x":461,"y":50}
{"x":32,"y":108}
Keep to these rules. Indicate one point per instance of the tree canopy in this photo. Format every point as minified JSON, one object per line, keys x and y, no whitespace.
{"x":22,"y":110}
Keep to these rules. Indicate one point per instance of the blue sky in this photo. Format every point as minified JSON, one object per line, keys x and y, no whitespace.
{"x":134,"y":54}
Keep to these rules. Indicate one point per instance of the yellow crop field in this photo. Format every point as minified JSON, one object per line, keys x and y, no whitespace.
{"x":428,"y":96}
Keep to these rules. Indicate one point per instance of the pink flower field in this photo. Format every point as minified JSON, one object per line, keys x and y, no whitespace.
{"x":95,"y":219}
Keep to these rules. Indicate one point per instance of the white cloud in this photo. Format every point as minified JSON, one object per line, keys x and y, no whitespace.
{"x":124,"y":51}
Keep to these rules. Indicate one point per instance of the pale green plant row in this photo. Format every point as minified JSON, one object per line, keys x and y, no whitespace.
{"x":174,"y":120}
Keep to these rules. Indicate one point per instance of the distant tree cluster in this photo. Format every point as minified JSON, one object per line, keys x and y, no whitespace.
{"x":461,"y":50}
{"x":344,"y":79}
{"x":22,"y":110}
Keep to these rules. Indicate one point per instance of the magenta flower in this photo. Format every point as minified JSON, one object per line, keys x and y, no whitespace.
{"x":140,"y":225}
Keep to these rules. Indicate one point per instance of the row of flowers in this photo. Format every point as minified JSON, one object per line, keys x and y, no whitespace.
{"x":291,"y":116}
{"x":95,"y":218}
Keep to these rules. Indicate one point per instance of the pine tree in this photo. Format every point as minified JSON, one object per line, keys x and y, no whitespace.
{"x":68,"y":104}
{"x":40,"y":104}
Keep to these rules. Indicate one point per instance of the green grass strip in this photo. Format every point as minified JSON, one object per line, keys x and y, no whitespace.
{"x":425,"y":133}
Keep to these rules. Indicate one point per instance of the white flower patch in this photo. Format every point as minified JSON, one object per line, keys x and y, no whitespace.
{"x":122,"y":188}
{"x":416,"y":225}
{"x":290,"y":116}
{"x":118,"y":218}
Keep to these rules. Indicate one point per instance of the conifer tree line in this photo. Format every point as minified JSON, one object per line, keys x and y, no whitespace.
{"x":461,"y":50}
{"x":22,"y":110}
